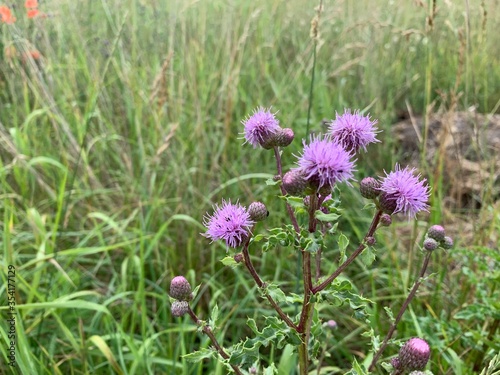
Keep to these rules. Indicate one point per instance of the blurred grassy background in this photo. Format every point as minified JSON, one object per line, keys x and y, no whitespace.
{"x":125,"y":129}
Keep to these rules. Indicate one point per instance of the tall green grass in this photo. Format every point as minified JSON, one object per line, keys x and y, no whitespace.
{"x":122,"y":135}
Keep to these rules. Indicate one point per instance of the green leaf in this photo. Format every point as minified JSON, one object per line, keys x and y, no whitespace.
{"x":214,"y":316}
{"x":271,"y":182}
{"x":343,"y":242}
{"x":389,"y":313}
{"x":229,"y":261}
{"x":271,"y":370}
{"x":199,"y":355}
{"x":331,"y":217}
{"x":368,"y":256}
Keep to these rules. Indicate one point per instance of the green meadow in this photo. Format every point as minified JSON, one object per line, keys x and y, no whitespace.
{"x":120,"y":127}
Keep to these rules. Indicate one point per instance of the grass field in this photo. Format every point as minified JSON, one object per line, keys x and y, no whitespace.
{"x":120,"y":127}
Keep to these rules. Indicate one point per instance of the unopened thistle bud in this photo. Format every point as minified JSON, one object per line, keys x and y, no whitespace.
{"x":388,"y":203}
{"x":369,"y":188}
{"x":436,"y":232}
{"x":258,"y":211}
{"x":332,"y":324}
{"x":294,"y":182}
{"x":414,"y":355}
{"x":238,"y":258}
{"x":180,"y":289}
{"x":447,"y":243}
{"x":284,"y":137}
{"x":385,"y":220}
{"x":370,"y":241}
{"x":179,"y":308}
{"x":430,"y":244}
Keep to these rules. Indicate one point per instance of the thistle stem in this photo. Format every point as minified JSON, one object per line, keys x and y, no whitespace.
{"x":403,"y":308}
{"x":289,"y":208}
{"x":262,"y":285}
{"x":349,"y":260}
{"x":207,"y":330}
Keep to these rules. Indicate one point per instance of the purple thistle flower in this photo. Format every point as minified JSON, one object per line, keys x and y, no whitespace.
{"x":407,"y":191}
{"x":324,"y":163}
{"x":230,"y":222}
{"x":353,"y":131}
{"x":260,"y":127}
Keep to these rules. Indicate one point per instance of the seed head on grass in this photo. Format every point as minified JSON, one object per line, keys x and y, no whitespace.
{"x":325,"y":163}
{"x":353,"y":130}
{"x":229,"y":222}
{"x":261,"y":127}
{"x":403,"y":191}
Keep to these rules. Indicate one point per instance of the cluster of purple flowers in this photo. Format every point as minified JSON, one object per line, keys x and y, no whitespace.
{"x":325,"y":160}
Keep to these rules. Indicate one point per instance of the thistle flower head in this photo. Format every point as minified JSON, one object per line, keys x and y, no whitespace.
{"x":414,"y":354}
{"x":260,"y":127}
{"x":179,"y":308}
{"x":180,"y":288}
{"x":229,"y":222}
{"x":353,"y":130}
{"x":436,"y":232}
{"x":404,"y":191}
{"x":258,"y":211}
{"x":294,"y":182}
{"x":430,"y":244}
{"x":324,"y":163}
{"x":369,"y":188}
{"x":447,"y":242}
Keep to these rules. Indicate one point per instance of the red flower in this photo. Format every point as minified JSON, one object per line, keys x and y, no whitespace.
{"x":31,"y":3}
{"x":6,"y":15}
{"x":32,"y":13}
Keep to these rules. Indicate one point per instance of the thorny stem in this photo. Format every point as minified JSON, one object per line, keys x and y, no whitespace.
{"x":349,"y":260}
{"x":289,"y":208}
{"x":403,"y":308}
{"x":262,"y":286}
{"x":207,"y":330}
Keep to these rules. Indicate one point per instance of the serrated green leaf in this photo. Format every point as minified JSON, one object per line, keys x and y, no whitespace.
{"x":368,"y":256}
{"x":199,"y":355}
{"x":389,"y":313}
{"x":214,"y":316}
{"x":271,"y":182}
{"x":331,"y":217}
{"x":271,"y":370}
{"x":229,"y":261}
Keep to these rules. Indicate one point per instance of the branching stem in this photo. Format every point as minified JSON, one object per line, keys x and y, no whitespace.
{"x":349,"y":260}
{"x":207,"y":330}
{"x":403,"y":308}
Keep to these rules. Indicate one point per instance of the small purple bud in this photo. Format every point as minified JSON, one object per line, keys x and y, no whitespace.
{"x":307,"y":200}
{"x":294,"y":182}
{"x":436,"y":232}
{"x":388,"y":203}
{"x":369,"y":188}
{"x":284,"y":137}
{"x":385,"y":220}
{"x":179,"y":308}
{"x":180,"y":289}
{"x":238,"y":258}
{"x":447,"y":243}
{"x":414,"y":354}
{"x":430,"y":244}
{"x":370,"y":241}
{"x":252,"y":370}
{"x":276,"y":177}
{"x":332,"y":324}
{"x":258,"y":211}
